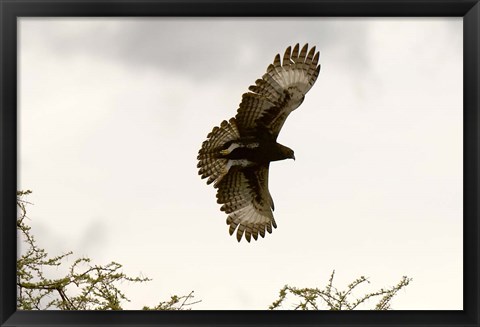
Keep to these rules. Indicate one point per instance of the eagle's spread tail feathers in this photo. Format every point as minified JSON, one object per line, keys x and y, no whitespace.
{"x":210,"y":161}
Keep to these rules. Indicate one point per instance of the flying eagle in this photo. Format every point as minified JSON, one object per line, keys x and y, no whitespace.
{"x":236,"y":155}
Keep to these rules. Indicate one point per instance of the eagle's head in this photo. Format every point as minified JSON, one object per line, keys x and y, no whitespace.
{"x":287,"y":153}
{"x":291,"y":154}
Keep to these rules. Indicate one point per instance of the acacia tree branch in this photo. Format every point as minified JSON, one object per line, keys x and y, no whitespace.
{"x":313,"y":298}
{"x":83,"y":287}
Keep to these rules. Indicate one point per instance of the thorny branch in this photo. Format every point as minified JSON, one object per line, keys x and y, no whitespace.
{"x":84,"y":287}
{"x":331,"y":298}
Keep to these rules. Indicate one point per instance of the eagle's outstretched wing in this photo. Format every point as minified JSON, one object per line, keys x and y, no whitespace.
{"x":280,"y":91}
{"x":247,"y":201}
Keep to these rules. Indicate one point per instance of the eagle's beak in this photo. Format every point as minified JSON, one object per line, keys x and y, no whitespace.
{"x":293,"y":157}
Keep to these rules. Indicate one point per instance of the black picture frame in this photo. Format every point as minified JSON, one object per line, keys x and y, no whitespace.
{"x":10,"y":10}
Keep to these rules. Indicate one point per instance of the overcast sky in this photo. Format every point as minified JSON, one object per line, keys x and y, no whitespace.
{"x":113,"y":112}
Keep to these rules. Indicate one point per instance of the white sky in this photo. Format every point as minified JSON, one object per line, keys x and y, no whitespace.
{"x":113,"y":112}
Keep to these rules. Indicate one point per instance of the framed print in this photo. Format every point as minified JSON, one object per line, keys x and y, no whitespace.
{"x":132,"y":131}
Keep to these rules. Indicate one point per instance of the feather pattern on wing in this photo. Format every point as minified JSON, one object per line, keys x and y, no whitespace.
{"x":280,"y":91}
{"x":209,"y":163}
{"x":245,"y":197}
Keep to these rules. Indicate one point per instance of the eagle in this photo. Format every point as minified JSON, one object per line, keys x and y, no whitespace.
{"x":236,"y":155}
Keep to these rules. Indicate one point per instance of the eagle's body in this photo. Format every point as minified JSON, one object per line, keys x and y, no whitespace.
{"x":256,"y":151}
{"x":236,"y":156}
